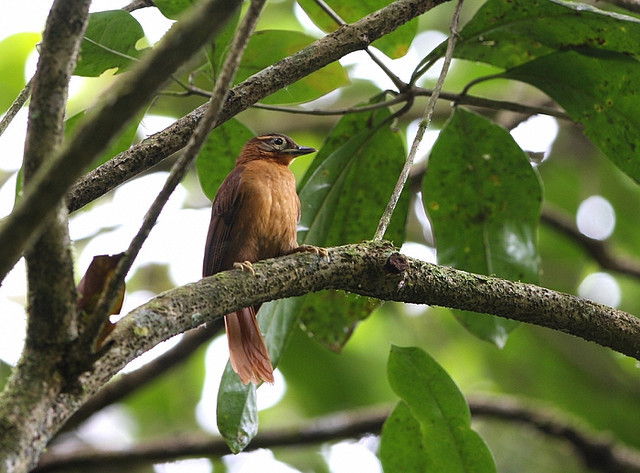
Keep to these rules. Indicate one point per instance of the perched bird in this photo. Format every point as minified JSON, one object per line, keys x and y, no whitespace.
{"x":254,"y":216}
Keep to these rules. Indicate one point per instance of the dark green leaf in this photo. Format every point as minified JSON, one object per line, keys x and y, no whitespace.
{"x":237,"y":413}
{"x":173,"y":8}
{"x":121,"y":143}
{"x":14,"y":51}
{"x":269,"y":46}
{"x":401,"y":447}
{"x":600,"y":90}
{"x":438,"y":406}
{"x":483,"y":198}
{"x":509,"y":33}
{"x":110,"y":43}
{"x":342,"y":195}
{"x":218,"y":155}
{"x":394,"y":45}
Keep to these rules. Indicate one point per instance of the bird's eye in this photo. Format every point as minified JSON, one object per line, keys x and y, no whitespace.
{"x":278,"y":141}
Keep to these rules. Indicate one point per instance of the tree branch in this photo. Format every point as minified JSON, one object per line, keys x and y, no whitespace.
{"x":373,"y":269}
{"x":594,"y":449}
{"x":326,"y":50}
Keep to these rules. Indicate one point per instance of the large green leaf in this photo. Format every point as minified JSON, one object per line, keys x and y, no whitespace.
{"x":394,"y":45}
{"x":600,"y":90}
{"x":269,"y":46}
{"x":483,"y":198}
{"x":14,"y":51}
{"x":218,"y":155}
{"x":342,"y":196}
{"x":110,"y":43}
{"x":447,"y":441}
{"x":508,"y":33}
{"x":237,"y":411}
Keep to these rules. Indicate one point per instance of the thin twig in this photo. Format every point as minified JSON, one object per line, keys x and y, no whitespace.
{"x":422,"y":127}
{"x":15,"y":107}
{"x":180,"y":167}
{"x":335,"y":17}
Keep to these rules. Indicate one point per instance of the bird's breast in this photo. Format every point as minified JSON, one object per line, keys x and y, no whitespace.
{"x":271,"y":207}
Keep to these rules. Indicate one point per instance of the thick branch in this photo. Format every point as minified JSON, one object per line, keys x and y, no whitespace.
{"x":373,"y":269}
{"x":324,"y":51}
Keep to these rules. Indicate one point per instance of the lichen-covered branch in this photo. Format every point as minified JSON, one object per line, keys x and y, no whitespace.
{"x":374,"y":269}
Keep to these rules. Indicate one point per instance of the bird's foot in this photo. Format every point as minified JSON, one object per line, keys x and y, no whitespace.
{"x":244,"y":266}
{"x":318,"y":250}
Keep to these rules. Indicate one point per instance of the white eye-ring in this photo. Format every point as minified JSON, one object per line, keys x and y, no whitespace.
{"x":277,"y":141}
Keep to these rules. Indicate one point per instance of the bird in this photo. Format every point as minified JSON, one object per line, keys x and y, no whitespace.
{"x":254,"y":216}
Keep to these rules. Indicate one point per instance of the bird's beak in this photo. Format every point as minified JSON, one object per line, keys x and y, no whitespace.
{"x":301,"y":150}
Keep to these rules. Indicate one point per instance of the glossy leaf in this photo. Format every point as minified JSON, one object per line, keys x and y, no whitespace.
{"x":394,"y":45}
{"x":237,"y":411}
{"x":269,"y":46}
{"x":601,"y":91}
{"x":110,"y":43}
{"x":438,"y":406}
{"x":509,"y":33}
{"x":173,"y":8}
{"x":218,"y":155}
{"x":483,"y":198}
{"x":350,"y":180}
{"x":14,"y":51}
{"x":401,"y":446}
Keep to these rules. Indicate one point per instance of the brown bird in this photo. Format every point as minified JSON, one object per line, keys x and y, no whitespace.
{"x":254,"y":216}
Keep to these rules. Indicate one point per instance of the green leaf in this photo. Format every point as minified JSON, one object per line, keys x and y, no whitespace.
{"x":122,"y":142}
{"x":483,"y":198}
{"x":237,"y":412}
{"x":436,"y":403}
{"x":110,"y":43}
{"x":342,"y":195}
{"x":14,"y":51}
{"x":218,"y":155}
{"x":401,"y":447}
{"x":509,"y":33}
{"x":173,"y":8}
{"x":269,"y":46}
{"x":601,"y":91}
{"x":395,"y":44}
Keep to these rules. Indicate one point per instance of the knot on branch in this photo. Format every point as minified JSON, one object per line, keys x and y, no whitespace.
{"x":396,"y":263}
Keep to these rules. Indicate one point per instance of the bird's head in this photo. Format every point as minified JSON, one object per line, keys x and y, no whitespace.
{"x":273,"y":146}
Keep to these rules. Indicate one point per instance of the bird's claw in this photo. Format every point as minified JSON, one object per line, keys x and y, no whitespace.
{"x":245,"y":266}
{"x":318,"y":250}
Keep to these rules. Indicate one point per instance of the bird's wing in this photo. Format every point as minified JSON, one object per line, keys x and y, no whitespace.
{"x":223,"y":212}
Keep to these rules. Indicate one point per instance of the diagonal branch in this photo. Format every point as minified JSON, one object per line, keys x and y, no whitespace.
{"x":318,"y":54}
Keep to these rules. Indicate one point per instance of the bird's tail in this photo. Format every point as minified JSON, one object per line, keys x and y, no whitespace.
{"x":247,"y":351}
